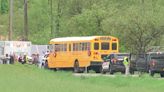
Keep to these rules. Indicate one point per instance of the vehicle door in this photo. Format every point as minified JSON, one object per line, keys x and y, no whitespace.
{"x":141,"y":62}
{"x":157,"y":62}
{"x":106,"y":62}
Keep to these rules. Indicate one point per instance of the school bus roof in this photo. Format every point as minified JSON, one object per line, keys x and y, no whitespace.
{"x":83,"y":38}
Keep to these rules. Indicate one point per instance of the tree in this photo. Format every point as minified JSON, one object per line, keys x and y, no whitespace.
{"x":141,"y":34}
{"x":11,"y":20}
{"x":25,"y":20}
{"x":4,"y":6}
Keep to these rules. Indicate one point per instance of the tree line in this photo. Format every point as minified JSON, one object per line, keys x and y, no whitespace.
{"x":137,"y":23}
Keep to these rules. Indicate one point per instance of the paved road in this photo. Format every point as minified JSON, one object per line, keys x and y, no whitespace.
{"x":95,"y":75}
{"x":107,"y":75}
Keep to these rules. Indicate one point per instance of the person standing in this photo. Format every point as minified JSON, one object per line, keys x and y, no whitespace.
{"x":2,"y":59}
{"x":7,"y":59}
{"x":20,"y":59}
{"x":24,"y":59}
{"x":126,"y":64}
{"x":11,"y":59}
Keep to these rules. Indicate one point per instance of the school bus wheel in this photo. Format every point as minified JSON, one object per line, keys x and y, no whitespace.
{"x":76,"y":66}
{"x":46,"y":65}
{"x":110,"y":70}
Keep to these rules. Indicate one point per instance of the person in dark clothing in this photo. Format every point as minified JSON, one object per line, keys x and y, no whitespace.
{"x":24,"y":59}
{"x":11,"y":59}
{"x":7,"y":58}
{"x":36,"y":59}
{"x":20,"y":59}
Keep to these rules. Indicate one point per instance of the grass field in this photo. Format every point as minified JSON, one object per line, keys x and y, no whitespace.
{"x":26,"y":78}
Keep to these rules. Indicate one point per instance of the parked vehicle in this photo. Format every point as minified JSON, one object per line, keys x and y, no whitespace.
{"x":156,"y":64}
{"x":152,"y":62}
{"x":114,"y":63}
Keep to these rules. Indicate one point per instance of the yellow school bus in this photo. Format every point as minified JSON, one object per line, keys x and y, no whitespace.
{"x":80,"y":52}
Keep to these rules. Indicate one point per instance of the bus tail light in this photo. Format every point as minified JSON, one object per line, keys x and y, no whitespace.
{"x":89,"y":53}
{"x":114,"y":39}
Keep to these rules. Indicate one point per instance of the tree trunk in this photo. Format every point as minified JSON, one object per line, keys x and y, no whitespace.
{"x":25,"y":21}
{"x":11,"y":20}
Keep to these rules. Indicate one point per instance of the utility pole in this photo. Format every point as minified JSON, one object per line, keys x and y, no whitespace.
{"x":10,"y":21}
{"x":51,"y":19}
{"x":25,"y":21}
{"x":143,"y":7}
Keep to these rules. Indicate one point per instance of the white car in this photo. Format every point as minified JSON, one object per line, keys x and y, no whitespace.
{"x":105,"y":67}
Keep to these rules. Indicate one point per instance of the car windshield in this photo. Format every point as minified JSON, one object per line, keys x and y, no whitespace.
{"x":121,"y":56}
{"x":157,"y":56}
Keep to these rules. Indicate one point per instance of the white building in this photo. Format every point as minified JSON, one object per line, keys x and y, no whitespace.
{"x":15,"y":47}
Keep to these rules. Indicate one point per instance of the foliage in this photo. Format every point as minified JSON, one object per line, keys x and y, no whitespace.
{"x":121,"y":18}
{"x":4,"y":6}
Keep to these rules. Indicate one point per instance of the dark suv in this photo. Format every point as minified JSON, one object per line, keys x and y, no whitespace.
{"x":152,"y":62}
{"x":114,"y":63}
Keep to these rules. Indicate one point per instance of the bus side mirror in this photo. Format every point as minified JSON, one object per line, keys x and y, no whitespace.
{"x":104,"y":58}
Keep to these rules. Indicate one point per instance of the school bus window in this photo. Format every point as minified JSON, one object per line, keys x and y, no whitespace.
{"x":60,"y":47}
{"x":88,"y":46}
{"x":104,"y":46}
{"x":114,"y":46}
{"x":69,"y":47}
{"x":84,"y":46}
{"x":96,"y":46}
{"x":64,"y":47}
{"x":80,"y":46}
{"x":73,"y":46}
{"x":56,"y":47}
{"x":76,"y":46}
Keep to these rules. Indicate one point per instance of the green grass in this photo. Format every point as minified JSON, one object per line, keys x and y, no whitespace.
{"x":26,"y":78}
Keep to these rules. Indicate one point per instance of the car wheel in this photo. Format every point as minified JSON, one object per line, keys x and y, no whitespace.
{"x":131,"y":71}
{"x":162,"y":74}
{"x":46,"y":65}
{"x":151,"y":73}
{"x":111,"y":71}
{"x":123,"y":72}
{"x":76,"y":67}
{"x":103,"y":72}
{"x":98,"y":70}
